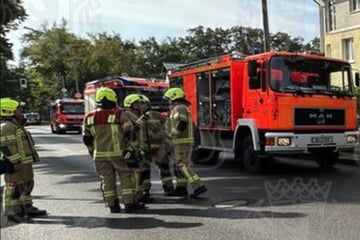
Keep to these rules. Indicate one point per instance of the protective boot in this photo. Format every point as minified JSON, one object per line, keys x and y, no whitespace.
{"x":116,"y":207}
{"x":166,"y":178}
{"x":129,"y":207}
{"x":32,"y":211}
{"x":16,"y":218}
{"x":19,"y":218}
{"x":146,"y":197}
{"x":178,"y":192}
{"x":132,"y":207}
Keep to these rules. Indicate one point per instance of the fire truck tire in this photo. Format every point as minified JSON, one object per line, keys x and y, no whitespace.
{"x":204,"y":156}
{"x":327,"y":161}
{"x":250,"y":159}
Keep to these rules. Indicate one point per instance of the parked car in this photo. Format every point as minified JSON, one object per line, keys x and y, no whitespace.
{"x":32,"y":118}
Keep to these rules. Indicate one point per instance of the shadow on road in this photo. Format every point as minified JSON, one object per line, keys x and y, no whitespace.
{"x":143,"y":221}
{"x":115,"y":223}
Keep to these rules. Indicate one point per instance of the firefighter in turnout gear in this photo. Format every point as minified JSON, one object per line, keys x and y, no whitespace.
{"x":152,"y":124}
{"x":103,"y":134}
{"x":18,"y":150}
{"x":133,"y":138}
{"x":180,"y":128}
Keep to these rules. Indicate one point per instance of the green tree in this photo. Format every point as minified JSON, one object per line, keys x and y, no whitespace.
{"x":313,"y":45}
{"x":148,"y":57}
{"x":204,"y":43}
{"x":12,"y":14}
{"x":111,"y":56}
{"x":54,"y":59}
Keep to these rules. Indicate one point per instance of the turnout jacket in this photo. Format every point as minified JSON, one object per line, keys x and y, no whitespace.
{"x":153,"y":133}
{"x":181,"y":113}
{"x":103,"y":133}
{"x":16,"y":143}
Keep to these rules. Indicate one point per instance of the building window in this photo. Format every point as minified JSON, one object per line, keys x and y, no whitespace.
{"x":354,"y":5}
{"x":331,"y":23}
{"x":328,"y":50}
{"x":348,"y":49}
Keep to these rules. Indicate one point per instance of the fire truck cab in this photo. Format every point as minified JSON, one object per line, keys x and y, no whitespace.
{"x":270,"y":104}
{"x":66,"y":115}
{"x":123,"y":86}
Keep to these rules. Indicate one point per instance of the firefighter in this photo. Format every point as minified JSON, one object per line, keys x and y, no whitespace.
{"x":180,"y":128}
{"x":152,"y":124}
{"x":18,"y":151}
{"x":103,"y":134}
{"x":133,"y":108}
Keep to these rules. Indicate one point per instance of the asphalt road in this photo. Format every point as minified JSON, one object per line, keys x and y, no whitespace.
{"x":295,"y":201}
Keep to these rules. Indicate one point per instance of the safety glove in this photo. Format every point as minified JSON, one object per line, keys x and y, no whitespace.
{"x":132,"y":158}
{"x":141,"y":121}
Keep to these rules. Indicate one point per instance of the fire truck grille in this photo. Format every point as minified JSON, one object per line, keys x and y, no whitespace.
{"x":75,"y":119}
{"x":319,"y":116}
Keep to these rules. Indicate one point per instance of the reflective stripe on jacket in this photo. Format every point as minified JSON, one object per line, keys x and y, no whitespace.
{"x":104,"y":125}
{"x":19,"y":142}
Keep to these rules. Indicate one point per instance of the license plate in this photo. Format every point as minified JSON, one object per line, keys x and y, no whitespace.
{"x":322,"y":139}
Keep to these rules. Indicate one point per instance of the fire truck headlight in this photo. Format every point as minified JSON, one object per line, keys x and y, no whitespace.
{"x":284,"y":141}
{"x":351,"y":139}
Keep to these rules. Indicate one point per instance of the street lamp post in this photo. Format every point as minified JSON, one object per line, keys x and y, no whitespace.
{"x":76,"y":79}
{"x":266,"y":25}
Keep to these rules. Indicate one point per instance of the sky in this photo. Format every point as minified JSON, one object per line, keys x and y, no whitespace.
{"x":140,"y":19}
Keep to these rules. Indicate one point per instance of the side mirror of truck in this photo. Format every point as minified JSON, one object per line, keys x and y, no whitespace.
{"x":357,"y":79}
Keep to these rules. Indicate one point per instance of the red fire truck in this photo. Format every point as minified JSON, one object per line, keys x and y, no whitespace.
{"x":268,"y":104}
{"x":123,"y":86}
{"x":66,"y":115}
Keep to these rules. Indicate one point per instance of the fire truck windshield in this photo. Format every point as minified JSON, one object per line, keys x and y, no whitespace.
{"x":72,"y":108}
{"x":155,"y":97}
{"x":304,"y":75}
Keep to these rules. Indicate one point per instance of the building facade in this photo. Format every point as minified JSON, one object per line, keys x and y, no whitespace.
{"x":340,"y":29}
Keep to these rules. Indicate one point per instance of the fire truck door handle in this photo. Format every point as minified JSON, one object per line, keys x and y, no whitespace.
{"x":248,"y":111}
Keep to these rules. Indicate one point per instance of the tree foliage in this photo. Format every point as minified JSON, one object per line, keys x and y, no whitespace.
{"x":11,"y":15}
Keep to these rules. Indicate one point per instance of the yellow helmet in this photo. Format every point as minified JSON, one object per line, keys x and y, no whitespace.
{"x":173,"y":94}
{"x":8,"y":107}
{"x":144,"y":98}
{"x":107,"y":93}
{"x":130,"y":99}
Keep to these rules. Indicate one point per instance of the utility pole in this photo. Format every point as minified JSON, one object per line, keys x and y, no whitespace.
{"x":266,"y":26}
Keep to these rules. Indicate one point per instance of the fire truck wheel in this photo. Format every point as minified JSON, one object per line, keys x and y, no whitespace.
{"x":251,"y":161}
{"x":327,"y":161}
{"x":204,"y":156}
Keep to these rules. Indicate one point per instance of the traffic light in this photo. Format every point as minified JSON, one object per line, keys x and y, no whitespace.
{"x":23,"y":83}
